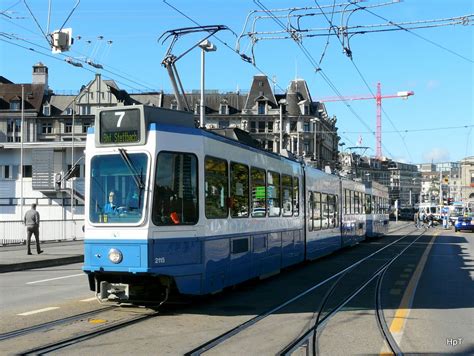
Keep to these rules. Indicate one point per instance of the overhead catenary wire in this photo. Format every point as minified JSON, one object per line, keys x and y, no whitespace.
{"x":218,"y":39}
{"x":319,"y":71}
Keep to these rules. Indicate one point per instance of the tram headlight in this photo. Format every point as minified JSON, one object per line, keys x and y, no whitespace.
{"x":115,"y":256}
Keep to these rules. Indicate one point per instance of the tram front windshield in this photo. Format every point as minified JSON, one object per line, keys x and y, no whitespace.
{"x":117,"y":185}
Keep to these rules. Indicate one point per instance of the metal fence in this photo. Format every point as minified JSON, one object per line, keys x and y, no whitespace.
{"x":14,"y":232}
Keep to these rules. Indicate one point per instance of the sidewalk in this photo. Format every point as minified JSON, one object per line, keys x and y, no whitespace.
{"x":14,"y":258}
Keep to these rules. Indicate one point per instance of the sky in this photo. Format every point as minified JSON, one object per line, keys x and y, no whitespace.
{"x":436,"y":124}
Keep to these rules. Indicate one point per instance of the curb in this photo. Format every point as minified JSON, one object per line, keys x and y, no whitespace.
{"x":40,"y":264}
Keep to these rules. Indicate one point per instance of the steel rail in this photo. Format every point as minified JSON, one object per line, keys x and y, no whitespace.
{"x":236,"y":330}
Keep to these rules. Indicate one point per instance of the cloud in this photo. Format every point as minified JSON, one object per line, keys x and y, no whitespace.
{"x":436,"y":155}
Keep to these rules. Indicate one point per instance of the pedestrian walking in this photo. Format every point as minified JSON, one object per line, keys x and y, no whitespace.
{"x":416,"y":218}
{"x":32,"y":221}
{"x":421,"y":217}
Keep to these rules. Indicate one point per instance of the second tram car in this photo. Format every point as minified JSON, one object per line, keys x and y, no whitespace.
{"x":170,"y":207}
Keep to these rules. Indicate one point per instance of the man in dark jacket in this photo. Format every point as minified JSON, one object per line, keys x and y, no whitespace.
{"x":32,"y":221}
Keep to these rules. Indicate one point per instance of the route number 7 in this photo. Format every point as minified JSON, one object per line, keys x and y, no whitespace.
{"x":121,"y":114}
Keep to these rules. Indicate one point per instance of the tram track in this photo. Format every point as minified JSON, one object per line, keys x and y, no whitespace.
{"x":309,"y":338}
{"x":43,"y":326}
{"x":74,"y":333}
{"x":211,"y":344}
{"x":81,"y":337}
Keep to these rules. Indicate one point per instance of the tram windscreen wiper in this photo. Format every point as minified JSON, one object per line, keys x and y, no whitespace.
{"x":136,"y":177}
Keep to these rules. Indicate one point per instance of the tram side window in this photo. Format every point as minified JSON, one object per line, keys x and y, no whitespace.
{"x":356,"y":203}
{"x":175,"y":200}
{"x":352,"y":201}
{"x":215,"y":186}
{"x":310,"y":210}
{"x":315,"y":213}
{"x":324,"y":211}
{"x":273,"y":193}
{"x":347,"y":202}
{"x":368,"y":204}
{"x":332,"y":210}
{"x":239,"y":190}
{"x":257,"y":184}
{"x":296,"y":196}
{"x":287,"y":198}
{"x":374,"y":204}
{"x":336,"y":209}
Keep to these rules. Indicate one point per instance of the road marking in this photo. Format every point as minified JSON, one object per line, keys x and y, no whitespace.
{"x":38,"y":311}
{"x":88,"y":299}
{"x":398,"y":322}
{"x":53,"y":279}
{"x":400,"y":283}
{"x":401,"y":315}
{"x":404,"y":275}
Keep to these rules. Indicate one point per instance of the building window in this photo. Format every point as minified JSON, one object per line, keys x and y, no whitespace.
{"x":270,"y":126}
{"x":15,"y":105}
{"x":85,"y":110}
{"x":46,"y":128}
{"x":224,"y":109}
{"x":68,"y":127}
{"x":261,"y":108}
{"x":223,"y":124}
{"x":261,"y":126}
{"x":253,"y":126}
{"x":77,"y":171}
{"x":68,"y":111}
{"x":46,"y":110}
{"x":27,"y":171}
{"x":260,"y":84}
{"x":174,"y":106}
{"x":306,"y":127}
{"x":85,"y":126}
{"x":293,"y":126}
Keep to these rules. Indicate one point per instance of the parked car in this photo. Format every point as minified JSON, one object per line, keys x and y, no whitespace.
{"x":464,"y":223}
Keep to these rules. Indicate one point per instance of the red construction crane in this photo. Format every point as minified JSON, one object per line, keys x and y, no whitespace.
{"x":378,"y":99}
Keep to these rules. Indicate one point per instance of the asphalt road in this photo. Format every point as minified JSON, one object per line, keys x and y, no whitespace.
{"x":440,"y":311}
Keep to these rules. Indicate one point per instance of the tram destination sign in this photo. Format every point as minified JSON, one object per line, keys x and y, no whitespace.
{"x":120,"y":126}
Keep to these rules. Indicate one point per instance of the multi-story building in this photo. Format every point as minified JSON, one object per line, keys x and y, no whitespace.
{"x":403,"y":180}
{"x":467,"y":181}
{"x":45,"y":133}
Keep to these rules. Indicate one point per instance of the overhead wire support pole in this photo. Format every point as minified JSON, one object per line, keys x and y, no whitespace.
{"x":169,"y":62}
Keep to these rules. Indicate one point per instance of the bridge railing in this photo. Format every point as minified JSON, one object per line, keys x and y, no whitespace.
{"x":14,"y":231}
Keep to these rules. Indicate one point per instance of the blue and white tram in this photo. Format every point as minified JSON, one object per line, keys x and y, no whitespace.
{"x":354,"y":220}
{"x":323,"y":228}
{"x":376,"y":209}
{"x":191,"y":210}
{"x":170,"y":207}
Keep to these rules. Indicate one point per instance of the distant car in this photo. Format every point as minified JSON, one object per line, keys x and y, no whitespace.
{"x":464,"y":223}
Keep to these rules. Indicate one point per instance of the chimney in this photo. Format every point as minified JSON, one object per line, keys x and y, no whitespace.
{"x":40,"y":75}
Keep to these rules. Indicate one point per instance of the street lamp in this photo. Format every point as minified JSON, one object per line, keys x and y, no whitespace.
{"x":206,"y":46}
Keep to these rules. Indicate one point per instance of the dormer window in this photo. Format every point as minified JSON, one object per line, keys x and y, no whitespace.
{"x":46,"y":110}
{"x":261,"y":108}
{"x":68,"y":111}
{"x":224,"y":109}
{"x":15,"y":105}
{"x":174,"y":106}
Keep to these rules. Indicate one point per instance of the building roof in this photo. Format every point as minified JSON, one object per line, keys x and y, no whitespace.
{"x":34,"y":94}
